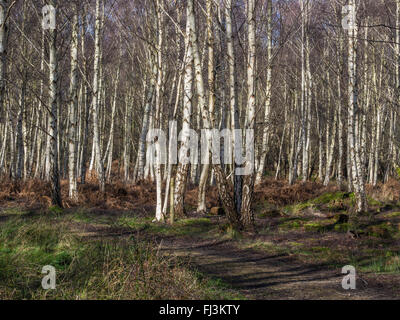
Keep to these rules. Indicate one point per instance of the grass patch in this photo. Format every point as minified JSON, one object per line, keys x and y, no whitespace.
{"x":392,"y":215}
{"x":13,"y":212}
{"x":327,"y":198}
{"x":292,"y":223}
{"x":265,"y":246}
{"x":84,"y":215}
{"x":380,"y":262}
{"x":214,"y":286}
{"x":335,"y":201}
{"x":92,"y":269}
{"x":184,"y":227}
{"x":342,"y":228}
{"x":320,"y":226}
{"x":384,"y":230}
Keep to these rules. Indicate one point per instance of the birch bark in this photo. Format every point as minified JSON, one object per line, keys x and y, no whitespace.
{"x":53,"y":115}
{"x":95,"y":101}
{"x":73,"y":188}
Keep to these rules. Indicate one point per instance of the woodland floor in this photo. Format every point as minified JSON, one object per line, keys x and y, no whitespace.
{"x":299,"y":250}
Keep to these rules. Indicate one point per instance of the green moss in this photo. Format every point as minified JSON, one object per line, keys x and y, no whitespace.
{"x":320,"y":226}
{"x":392,"y":215}
{"x":333,"y":201}
{"x":295,"y":244}
{"x":314,"y":227}
{"x":55,"y":210}
{"x":292,"y":223}
{"x":330,"y":197}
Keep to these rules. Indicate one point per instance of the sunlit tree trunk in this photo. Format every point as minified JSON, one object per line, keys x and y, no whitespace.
{"x":170,"y":180}
{"x":330,"y":146}
{"x":95,"y":102}
{"x":73,"y":188}
{"x":265,"y":137}
{"x":86,"y":102}
{"x":146,"y":123}
{"x":302,"y":140}
{"x":158,"y":117}
{"x":357,"y":178}
{"x":225,"y":188}
{"x":201,"y":207}
{"x":248,"y":180}
{"x":340,"y":117}
{"x":182,"y":170}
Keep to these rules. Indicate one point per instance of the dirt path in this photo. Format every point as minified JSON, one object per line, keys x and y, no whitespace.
{"x":256,"y":274}
{"x":261,"y":276}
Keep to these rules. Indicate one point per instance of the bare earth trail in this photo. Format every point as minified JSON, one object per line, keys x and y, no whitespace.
{"x":258,"y":275}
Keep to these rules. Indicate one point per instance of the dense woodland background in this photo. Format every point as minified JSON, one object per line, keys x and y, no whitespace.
{"x":76,"y":102}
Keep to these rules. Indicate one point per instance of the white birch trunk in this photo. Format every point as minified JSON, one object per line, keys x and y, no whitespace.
{"x":53,"y":115}
{"x":357,"y":178}
{"x":95,"y":102}
{"x":265,"y":137}
{"x":73,"y":187}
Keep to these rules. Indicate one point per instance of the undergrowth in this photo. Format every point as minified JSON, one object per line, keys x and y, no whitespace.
{"x":91,"y":269}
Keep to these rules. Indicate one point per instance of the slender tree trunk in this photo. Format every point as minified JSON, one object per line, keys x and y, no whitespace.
{"x":146,"y":124}
{"x":95,"y":102}
{"x":234,"y":108}
{"x":110,"y":145}
{"x":4,"y":6}
{"x":73,"y":188}
{"x":86,"y":102}
{"x":330,"y":150}
{"x":158,"y":117}
{"x":53,"y":115}
{"x":264,"y":147}
{"x":340,"y":118}
{"x":225,"y":188}
{"x":201,"y":207}
{"x":357,"y":178}
{"x":248,"y":180}
{"x":182,"y":170}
